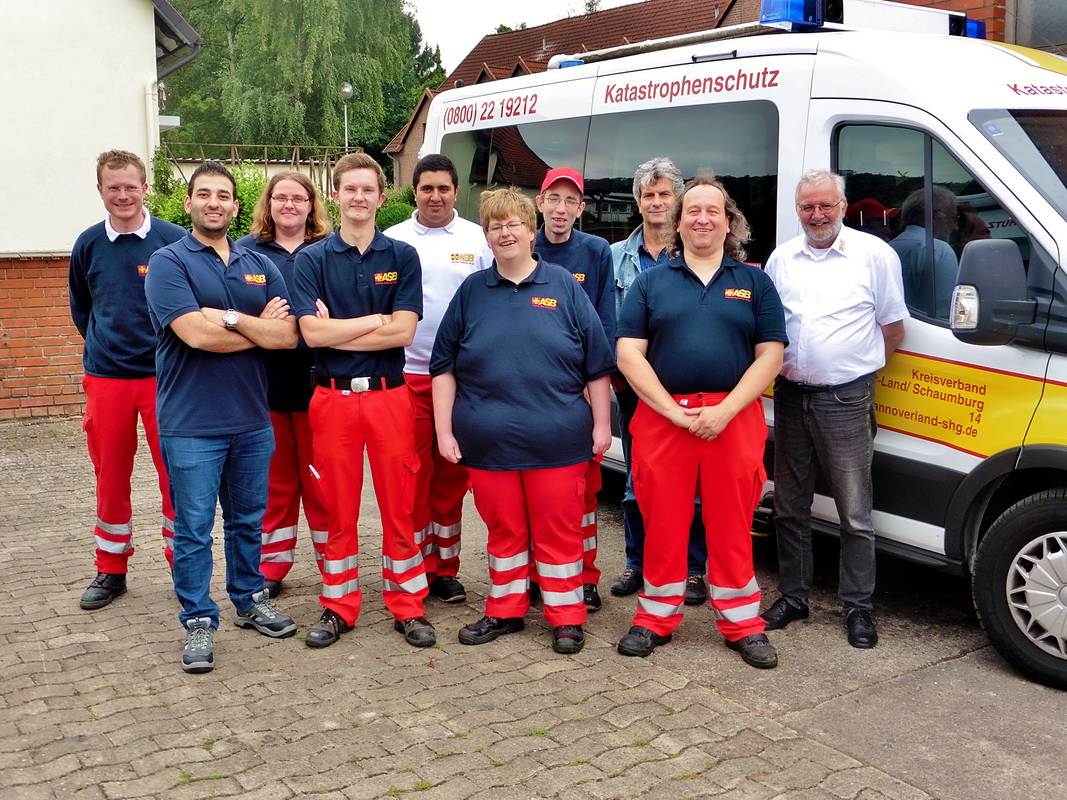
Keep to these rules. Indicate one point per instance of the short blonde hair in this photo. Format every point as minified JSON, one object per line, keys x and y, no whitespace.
{"x":503,"y":204}
{"x":357,"y":161}
{"x":117,"y":159}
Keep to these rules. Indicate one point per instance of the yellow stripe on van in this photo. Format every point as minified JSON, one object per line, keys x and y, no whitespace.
{"x":976,"y":410}
{"x":1049,"y":425}
{"x":1036,"y":58}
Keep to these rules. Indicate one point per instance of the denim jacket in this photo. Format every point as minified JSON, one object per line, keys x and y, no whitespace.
{"x":627,"y":264}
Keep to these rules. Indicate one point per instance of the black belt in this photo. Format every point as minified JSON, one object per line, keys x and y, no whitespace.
{"x":822,"y":387}
{"x":364,"y":384}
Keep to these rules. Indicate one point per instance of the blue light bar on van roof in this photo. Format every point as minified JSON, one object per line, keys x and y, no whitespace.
{"x":808,"y":15}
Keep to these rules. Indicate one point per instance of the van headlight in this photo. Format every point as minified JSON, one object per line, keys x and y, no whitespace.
{"x":964,"y":316}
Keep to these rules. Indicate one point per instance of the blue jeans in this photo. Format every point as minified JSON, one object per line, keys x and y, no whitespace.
{"x":232,"y":470}
{"x":633,"y":524}
{"x":833,"y":429}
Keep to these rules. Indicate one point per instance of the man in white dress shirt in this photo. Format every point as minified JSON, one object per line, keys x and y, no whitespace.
{"x":844,"y":311}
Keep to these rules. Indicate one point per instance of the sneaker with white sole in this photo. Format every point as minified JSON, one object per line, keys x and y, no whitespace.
{"x":265,"y":618}
{"x":198,"y":654}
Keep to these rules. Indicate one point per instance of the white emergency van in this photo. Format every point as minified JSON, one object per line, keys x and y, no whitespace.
{"x":934,"y":130}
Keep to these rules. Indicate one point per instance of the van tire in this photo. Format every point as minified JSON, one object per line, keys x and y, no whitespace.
{"x":1020,"y":572}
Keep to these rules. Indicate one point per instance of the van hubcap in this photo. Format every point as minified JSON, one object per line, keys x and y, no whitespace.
{"x":1037,"y":592}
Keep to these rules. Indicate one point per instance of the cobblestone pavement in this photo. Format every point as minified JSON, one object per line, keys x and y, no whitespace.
{"x":95,"y":705}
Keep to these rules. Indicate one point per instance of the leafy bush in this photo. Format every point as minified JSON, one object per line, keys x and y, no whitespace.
{"x":392,"y":213}
{"x":171,"y":206}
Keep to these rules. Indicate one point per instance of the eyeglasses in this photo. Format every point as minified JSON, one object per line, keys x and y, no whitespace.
{"x":282,"y":199}
{"x":555,"y":200}
{"x":824,"y":208}
{"x":514,"y":227}
{"x":654,"y":164}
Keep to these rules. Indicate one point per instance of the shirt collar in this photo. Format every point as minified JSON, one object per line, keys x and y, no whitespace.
{"x":679,"y":262}
{"x":449,"y":227}
{"x":141,"y":232}
{"x":197,"y":246}
{"x":339,"y":245}
{"x":539,"y":275}
{"x":840,"y":246}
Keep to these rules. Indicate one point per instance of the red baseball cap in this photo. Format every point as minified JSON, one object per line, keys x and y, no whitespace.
{"x":867,"y":208}
{"x":563,"y":174}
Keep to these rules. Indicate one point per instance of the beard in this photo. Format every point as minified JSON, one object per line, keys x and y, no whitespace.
{"x":822,"y":235}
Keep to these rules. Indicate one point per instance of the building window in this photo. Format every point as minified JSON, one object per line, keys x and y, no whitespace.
{"x":1037,"y":23}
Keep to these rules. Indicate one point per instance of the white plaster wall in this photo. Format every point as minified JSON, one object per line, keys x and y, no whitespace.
{"x":73,"y":77}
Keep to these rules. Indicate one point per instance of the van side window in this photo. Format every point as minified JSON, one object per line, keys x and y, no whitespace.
{"x":736,"y":141}
{"x":905,"y":187}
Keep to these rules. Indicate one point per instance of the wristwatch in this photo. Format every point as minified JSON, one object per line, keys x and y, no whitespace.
{"x":229,"y":319}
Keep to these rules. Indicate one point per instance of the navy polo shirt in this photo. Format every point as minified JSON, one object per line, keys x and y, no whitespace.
{"x":588,"y":259}
{"x":702,"y":338}
{"x":199,"y":393}
{"x":521,"y":356}
{"x":289,"y":384}
{"x":107,"y":299}
{"x":384,"y":279}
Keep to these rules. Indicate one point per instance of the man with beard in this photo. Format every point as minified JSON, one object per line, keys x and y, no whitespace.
{"x":214,"y":305}
{"x":844,"y":311}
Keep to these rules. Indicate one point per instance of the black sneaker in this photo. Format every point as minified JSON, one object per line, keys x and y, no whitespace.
{"x":198,"y":654}
{"x":265,"y":618}
{"x":640,"y":641}
{"x":781,"y":613}
{"x":591,"y":597}
{"x":536,"y":599}
{"x":327,"y":630}
{"x":696,"y":591}
{"x":568,"y":639}
{"x":447,"y":589}
{"x":418,"y":632}
{"x":488,"y":628}
{"x":630,"y":581}
{"x":106,"y":586}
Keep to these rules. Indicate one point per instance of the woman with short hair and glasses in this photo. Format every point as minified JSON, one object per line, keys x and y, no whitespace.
{"x":519,"y":346}
{"x":288,"y":216}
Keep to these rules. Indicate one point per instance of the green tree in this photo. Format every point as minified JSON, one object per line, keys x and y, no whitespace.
{"x":592,"y":6}
{"x":270,"y":72}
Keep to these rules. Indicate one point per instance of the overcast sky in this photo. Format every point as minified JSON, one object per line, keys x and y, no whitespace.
{"x":457,"y":26}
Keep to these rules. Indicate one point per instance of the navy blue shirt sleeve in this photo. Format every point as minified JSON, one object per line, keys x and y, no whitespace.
{"x":167,"y":287}
{"x":449,"y":332}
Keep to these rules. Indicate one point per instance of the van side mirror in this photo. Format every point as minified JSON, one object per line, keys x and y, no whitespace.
{"x":990,"y":299}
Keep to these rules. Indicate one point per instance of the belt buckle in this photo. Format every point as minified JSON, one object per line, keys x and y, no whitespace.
{"x":360,"y":384}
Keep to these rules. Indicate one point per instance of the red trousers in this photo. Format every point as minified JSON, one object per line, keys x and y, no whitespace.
{"x":291,"y":482}
{"x":670,"y":467}
{"x":538,"y":512}
{"x":593,"y":484}
{"x":439,"y":490}
{"x":382,"y":423}
{"x":112,"y":406}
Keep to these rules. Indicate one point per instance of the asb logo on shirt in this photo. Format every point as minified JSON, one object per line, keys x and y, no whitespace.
{"x":738,"y":294}
{"x":382,"y":278}
{"x":256,"y":279}
{"x":544,"y":302}
{"x":579,"y":276}
{"x":463,"y":258}
{"x":142,"y":269}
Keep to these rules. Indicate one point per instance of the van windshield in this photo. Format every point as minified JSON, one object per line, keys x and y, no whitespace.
{"x":1035,"y":142}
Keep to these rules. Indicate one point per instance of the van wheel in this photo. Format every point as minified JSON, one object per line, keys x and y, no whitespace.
{"x":1019,"y":586}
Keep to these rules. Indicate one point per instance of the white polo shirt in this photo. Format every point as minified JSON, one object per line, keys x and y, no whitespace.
{"x":835,"y":302}
{"x":448,"y":255}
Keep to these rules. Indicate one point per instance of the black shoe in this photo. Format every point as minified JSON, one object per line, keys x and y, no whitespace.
{"x":696,"y":591}
{"x":488,"y":628}
{"x":536,"y":600}
{"x":106,"y":586}
{"x":418,"y":632}
{"x":273,"y":587}
{"x":327,"y":630}
{"x":447,"y":589}
{"x":630,"y":581}
{"x":781,"y":613}
{"x":591,"y":597}
{"x":568,"y":639}
{"x":640,"y":641}
{"x":861,"y":630}
{"x":756,"y":651}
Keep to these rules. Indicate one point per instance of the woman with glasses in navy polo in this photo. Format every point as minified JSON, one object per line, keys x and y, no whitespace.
{"x":521,"y":395}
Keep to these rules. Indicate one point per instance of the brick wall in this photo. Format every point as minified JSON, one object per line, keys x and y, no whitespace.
{"x":40,"y":349}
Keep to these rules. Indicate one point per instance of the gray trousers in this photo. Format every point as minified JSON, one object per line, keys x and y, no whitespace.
{"x":834,"y":428}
